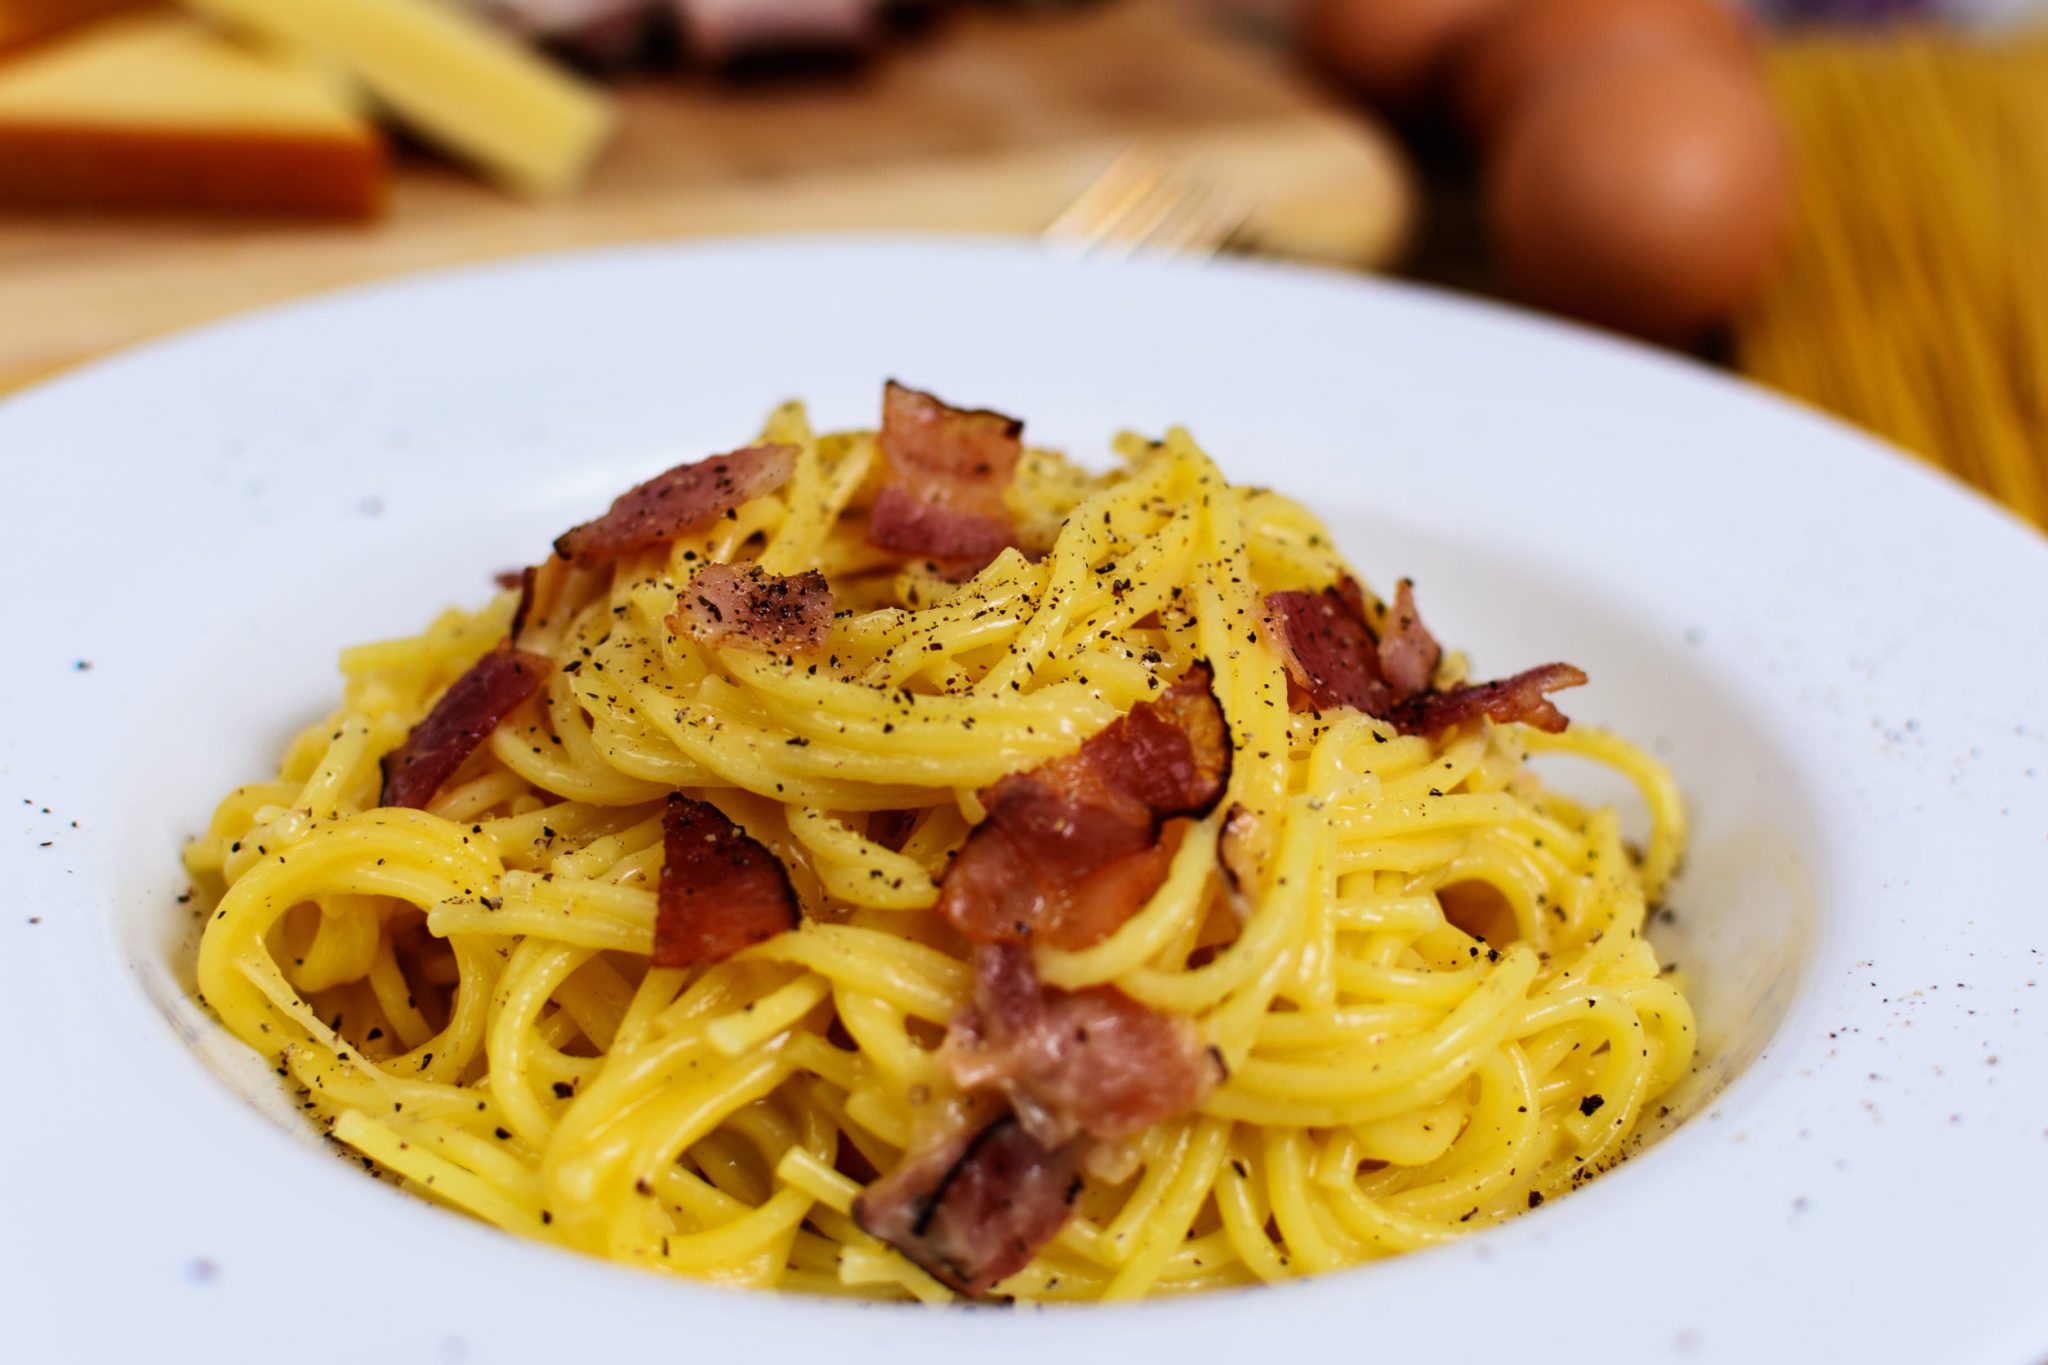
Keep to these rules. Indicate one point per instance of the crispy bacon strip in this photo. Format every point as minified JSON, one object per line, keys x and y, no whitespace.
{"x":1331,"y":656}
{"x":892,"y":828}
{"x":1333,"y":660}
{"x":721,"y":890}
{"x":686,"y":498}
{"x":1073,"y":1063}
{"x":1519,"y":698}
{"x":1075,"y":1067}
{"x":974,"y":1210}
{"x":464,"y":716}
{"x":903,"y":521}
{"x":945,"y":471}
{"x":1068,"y":852}
{"x":1408,"y":654}
{"x":728,"y":605}
{"x":1071,"y":849}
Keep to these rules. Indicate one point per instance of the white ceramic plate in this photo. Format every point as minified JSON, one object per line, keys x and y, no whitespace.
{"x":1841,"y":655}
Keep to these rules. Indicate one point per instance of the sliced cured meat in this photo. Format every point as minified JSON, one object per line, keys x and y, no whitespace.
{"x":892,"y":828}
{"x":1071,"y":849}
{"x":685,"y":499}
{"x":1408,"y":654}
{"x":727,"y":604}
{"x":1331,"y":656}
{"x":1517,"y":699}
{"x":973,"y":1210}
{"x":903,"y":521}
{"x":1068,"y":852}
{"x":1333,"y":659}
{"x":461,"y":720}
{"x":1072,"y":1063}
{"x":721,"y":890}
{"x":945,"y":473}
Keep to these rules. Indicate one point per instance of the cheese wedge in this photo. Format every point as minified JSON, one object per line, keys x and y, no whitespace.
{"x":453,"y":79}
{"x":24,"y":21}
{"x":156,"y":110}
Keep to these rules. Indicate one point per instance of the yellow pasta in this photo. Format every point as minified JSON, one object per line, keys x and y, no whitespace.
{"x":1914,"y":296}
{"x":1434,"y":997}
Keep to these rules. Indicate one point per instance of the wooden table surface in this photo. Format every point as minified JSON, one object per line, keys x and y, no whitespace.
{"x":992,"y":123}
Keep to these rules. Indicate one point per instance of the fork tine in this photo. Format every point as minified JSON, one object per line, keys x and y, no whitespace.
{"x":1147,"y":219}
{"x":1138,"y":202}
{"x":1108,"y":200}
{"x":1211,"y":218}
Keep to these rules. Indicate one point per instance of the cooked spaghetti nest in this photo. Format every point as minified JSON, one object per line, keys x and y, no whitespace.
{"x":1436,"y":1005}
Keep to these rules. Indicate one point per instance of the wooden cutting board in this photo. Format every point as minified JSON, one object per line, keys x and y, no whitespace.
{"x":991,"y":123}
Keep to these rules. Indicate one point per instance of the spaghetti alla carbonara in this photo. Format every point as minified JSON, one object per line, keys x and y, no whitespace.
{"x":906,"y":864}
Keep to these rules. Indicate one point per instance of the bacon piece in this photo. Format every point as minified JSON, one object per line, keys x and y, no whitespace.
{"x":1408,"y":654}
{"x":464,"y":716}
{"x":1093,"y":1062}
{"x":1331,"y":657}
{"x":721,"y":890}
{"x":903,"y":521}
{"x":686,"y":498}
{"x":974,"y":1209}
{"x":945,"y":471}
{"x":728,"y":605}
{"x":1333,"y":660}
{"x":1071,"y":849}
{"x":892,"y":828}
{"x":1519,"y":698}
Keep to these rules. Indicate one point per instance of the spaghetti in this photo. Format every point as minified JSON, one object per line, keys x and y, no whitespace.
{"x":1413,"y":981}
{"x":1914,"y":299}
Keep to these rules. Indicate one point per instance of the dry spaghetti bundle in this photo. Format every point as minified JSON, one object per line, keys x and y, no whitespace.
{"x":1914,"y":299}
{"x":910,"y":865}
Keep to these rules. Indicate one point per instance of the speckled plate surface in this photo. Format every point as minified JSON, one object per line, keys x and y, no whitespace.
{"x":1842,"y":655}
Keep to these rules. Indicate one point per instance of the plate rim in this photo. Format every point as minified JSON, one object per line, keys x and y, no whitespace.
{"x":392,"y":292}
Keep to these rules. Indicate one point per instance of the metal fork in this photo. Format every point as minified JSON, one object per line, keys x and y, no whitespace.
{"x":1140,"y":203}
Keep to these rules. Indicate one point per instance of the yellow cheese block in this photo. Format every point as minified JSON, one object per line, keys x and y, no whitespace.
{"x":24,"y":21}
{"x":316,"y":68}
{"x":453,"y":79}
{"x":155,"y":110}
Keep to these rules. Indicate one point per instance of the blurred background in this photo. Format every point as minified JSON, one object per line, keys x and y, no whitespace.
{"x":1846,"y":200}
